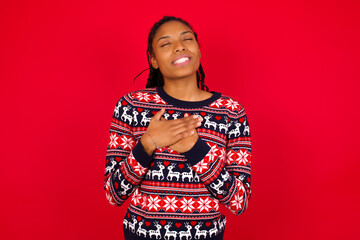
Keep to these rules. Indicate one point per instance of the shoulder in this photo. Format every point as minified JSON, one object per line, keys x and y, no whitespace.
{"x":231,"y":104}
{"x":138,"y":95}
{"x":132,"y":100}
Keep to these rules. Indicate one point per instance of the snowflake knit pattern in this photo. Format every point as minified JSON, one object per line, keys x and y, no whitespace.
{"x":177,"y":195}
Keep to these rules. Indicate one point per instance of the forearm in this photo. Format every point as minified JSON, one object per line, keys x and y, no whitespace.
{"x":127,"y":159}
{"x":148,"y":144}
{"x":123,"y":180}
{"x":208,"y":162}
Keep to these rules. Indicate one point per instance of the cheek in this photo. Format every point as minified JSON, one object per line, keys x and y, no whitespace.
{"x":163,"y":57}
{"x":195,"y":49}
{"x":198,"y":55}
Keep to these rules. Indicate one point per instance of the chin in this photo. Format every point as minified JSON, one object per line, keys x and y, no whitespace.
{"x":181,"y":73}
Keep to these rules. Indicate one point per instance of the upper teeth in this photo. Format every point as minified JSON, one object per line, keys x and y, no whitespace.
{"x":181,"y":60}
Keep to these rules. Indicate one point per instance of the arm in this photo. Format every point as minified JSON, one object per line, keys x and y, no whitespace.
{"x":226,"y":171}
{"x":127,"y":161}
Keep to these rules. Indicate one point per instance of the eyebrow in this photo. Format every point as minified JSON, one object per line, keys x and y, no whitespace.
{"x":180,"y":34}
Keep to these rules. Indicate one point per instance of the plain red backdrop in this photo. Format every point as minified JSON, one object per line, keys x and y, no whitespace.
{"x":294,"y":65}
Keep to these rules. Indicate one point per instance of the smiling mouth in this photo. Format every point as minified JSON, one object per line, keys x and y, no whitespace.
{"x":182,"y":61}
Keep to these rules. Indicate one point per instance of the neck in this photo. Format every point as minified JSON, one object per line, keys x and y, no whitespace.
{"x":185,"y":89}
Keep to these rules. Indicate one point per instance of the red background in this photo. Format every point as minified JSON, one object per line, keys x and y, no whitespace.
{"x":294,"y":65}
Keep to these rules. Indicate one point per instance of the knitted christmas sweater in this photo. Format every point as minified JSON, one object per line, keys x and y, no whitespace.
{"x":177,"y":195}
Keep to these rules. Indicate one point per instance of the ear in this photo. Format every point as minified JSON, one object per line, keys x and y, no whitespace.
{"x":154,"y":63}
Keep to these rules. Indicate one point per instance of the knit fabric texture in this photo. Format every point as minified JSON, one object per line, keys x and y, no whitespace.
{"x":177,"y":195}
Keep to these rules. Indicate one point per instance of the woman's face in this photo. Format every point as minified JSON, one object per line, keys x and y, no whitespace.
{"x":176,"y":51}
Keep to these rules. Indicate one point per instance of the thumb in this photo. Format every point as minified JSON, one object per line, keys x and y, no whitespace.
{"x":158,"y":115}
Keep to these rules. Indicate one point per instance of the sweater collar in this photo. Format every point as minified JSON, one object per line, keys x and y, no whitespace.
{"x":187,"y":104}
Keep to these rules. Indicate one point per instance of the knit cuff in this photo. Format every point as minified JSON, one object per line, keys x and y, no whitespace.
{"x":141,"y":155}
{"x":197,"y":152}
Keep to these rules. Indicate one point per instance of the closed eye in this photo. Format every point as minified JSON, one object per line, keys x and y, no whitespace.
{"x":169,"y":43}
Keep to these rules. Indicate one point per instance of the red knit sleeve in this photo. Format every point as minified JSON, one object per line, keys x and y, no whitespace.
{"x":226,"y":171}
{"x":126,"y":159}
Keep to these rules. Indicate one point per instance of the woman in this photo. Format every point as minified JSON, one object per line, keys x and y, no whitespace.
{"x":178,"y":150}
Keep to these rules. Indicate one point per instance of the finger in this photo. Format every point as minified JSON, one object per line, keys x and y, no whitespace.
{"x":191,"y":121}
{"x":183,"y":135}
{"x":158,"y":115}
{"x":187,"y":134}
{"x":183,"y":128}
{"x":194,"y":117}
{"x":177,"y":125}
{"x":187,"y":120}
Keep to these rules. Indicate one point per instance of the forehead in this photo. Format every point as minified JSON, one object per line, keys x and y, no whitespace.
{"x":170,"y":29}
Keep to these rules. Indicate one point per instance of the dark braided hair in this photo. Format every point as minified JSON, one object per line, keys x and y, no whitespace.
{"x":155,"y":78}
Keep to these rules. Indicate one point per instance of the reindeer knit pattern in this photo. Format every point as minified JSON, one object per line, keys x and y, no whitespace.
{"x":176,"y":196}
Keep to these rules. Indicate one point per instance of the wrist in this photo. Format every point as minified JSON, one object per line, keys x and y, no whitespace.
{"x":198,"y":151}
{"x":148,"y":144}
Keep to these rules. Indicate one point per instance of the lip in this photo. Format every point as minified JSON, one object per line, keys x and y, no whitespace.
{"x":181,"y":56}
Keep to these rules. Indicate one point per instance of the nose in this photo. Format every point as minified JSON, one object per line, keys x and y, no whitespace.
{"x":179,"y":47}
